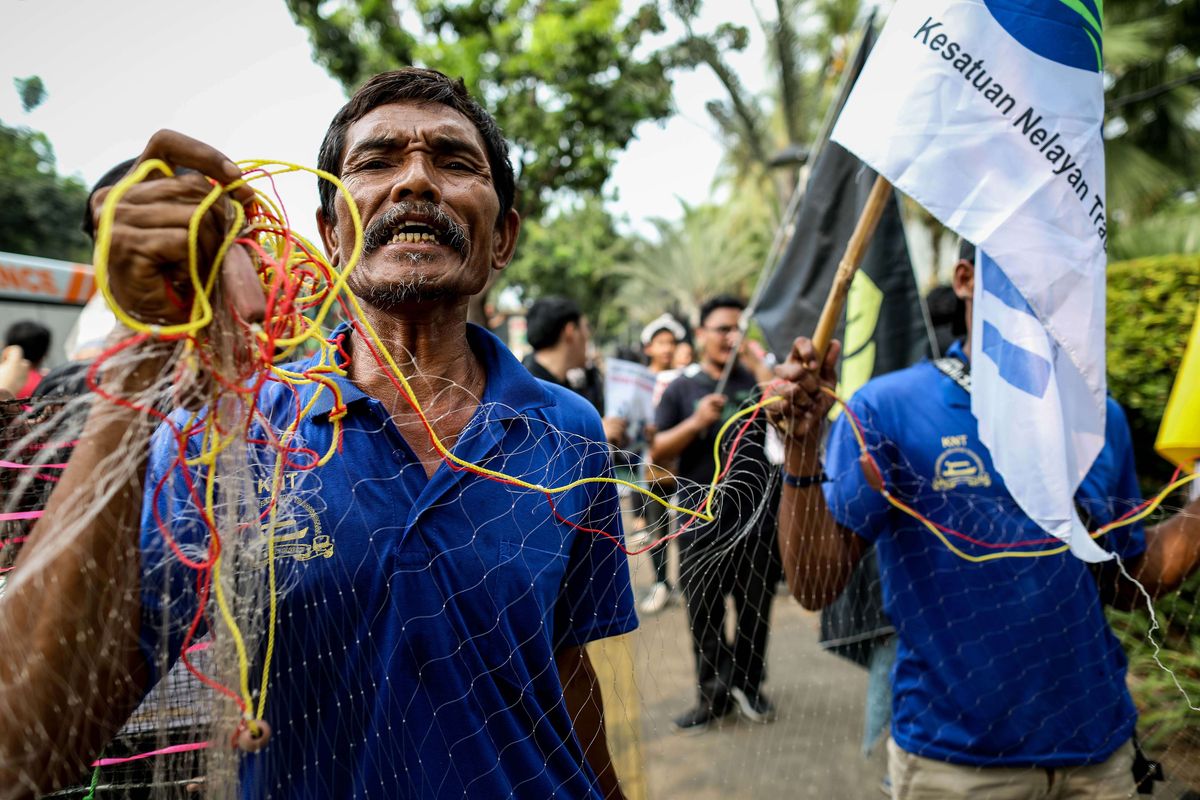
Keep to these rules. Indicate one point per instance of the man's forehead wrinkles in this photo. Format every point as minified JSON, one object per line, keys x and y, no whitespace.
{"x":443,"y":134}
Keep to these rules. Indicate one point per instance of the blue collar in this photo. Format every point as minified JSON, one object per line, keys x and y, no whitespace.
{"x":509,"y":391}
{"x":955,"y":350}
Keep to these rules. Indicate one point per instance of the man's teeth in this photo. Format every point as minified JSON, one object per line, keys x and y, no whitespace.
{"x":412,"y":238}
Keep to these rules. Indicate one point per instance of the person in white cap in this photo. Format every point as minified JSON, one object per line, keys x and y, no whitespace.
{"x":659,"y":340}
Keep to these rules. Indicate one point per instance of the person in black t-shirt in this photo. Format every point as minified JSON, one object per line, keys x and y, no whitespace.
{"x":735,"y":553}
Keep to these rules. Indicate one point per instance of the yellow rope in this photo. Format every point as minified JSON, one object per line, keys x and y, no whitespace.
{"x":976,"y":559}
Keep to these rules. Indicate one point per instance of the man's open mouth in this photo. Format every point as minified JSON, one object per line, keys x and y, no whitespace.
{"x":414,"y":232}
{"x":415,"y":223}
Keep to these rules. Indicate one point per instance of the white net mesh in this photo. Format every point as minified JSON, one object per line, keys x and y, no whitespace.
{"x":395,"y":614}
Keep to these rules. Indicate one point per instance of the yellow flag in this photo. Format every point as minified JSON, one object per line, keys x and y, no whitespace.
{"x":1179,"y":435}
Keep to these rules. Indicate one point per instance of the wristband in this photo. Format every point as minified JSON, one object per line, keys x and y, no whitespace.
{"x":803,"y":481}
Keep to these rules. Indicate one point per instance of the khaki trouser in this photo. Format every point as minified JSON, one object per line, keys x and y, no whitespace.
{"x":917,"y":778}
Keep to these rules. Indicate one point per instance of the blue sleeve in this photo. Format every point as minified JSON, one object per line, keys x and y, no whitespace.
{"x":851,"y":500}
{"x":597,"y":598}
{"x":1122,"y":492}
{"x":169,"y":600}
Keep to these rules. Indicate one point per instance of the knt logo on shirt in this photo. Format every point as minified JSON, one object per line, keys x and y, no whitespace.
{"x":958,"y":465}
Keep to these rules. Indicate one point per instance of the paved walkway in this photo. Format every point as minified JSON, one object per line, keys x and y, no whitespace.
{"x":810,"y":751}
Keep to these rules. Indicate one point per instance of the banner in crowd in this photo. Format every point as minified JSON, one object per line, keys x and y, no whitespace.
{"x":989,"y":114}
{"x":629,"y":393}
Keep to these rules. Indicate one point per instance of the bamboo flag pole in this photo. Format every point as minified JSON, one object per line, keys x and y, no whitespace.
{"x":856,"y":248}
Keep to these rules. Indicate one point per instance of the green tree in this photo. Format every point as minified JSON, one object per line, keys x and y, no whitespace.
{"x":575,"y":253}
{"x":808,"y":43}
{"x":40,"y":211}
{"x":740,"y":119}
{"x":1174,"y":227}
{"x":1152,"y":140}
{"x":712,"y":249}
{"x":1152,"y":145}
{"x":567,"y":81}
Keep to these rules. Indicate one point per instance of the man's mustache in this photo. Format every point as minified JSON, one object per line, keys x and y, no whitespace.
{"x":449,"y":232}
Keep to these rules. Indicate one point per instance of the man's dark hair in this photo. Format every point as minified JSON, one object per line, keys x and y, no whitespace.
{"x":546,"y":319}
{"x":720,"y":301}
{"x":948,"y":315}
{"x":966,"y":251}
{"x":421,"y":85}
{"x":109,"y":178}
{"x":33,"y":337}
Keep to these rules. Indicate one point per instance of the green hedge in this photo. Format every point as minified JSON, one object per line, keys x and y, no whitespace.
{"x":1151,"y":305}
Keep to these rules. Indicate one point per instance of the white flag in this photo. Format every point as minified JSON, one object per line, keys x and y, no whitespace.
{"x":989,"y":114}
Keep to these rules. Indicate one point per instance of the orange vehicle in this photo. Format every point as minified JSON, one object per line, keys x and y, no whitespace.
{"x":48,"y":291}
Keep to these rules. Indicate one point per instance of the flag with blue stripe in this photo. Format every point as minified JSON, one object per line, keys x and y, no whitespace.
{"x":1033,"y":407}
{"x":989,"y":114}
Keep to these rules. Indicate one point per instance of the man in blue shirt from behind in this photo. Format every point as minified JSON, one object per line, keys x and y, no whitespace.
{"x":432,"y":621}
{"x":1008,"y":681}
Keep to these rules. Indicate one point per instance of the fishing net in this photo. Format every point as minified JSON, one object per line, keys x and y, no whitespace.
{"x":321,"y":616}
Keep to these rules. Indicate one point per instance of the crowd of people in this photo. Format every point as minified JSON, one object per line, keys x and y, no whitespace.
{"x":450,"y":653}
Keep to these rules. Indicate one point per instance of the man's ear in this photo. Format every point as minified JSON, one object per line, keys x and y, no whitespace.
{"x":570,"y":331}
{"x":964,"y":280}
{"x":329,"y":237}
{"x":504,"y":239}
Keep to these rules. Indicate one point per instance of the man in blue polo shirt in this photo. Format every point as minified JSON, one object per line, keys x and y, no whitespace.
{"x":1008,"y":682}
{"x":431,"y":622}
